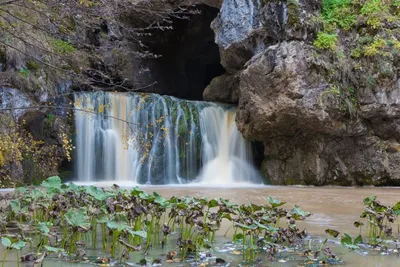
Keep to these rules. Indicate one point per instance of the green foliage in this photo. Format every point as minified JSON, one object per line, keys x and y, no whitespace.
{"x":356,"y":52}
{"x":332,"y":232}
{"x":275,"y":202}
{"x":77,"y":218}
{"x":130,"y":220}
{"x":338,"y":13}
{"x":293,"y":12}
{"x":372,"y":10}
{"x":63,"y":47}
{"x":375,"y":48}
{"x":24,"y":72}
{"x":341,"y":15}
{"x":53,"y":182}
{"x":350,"y":243}
{"x":32,"y":65}
{"x":326,"y":41}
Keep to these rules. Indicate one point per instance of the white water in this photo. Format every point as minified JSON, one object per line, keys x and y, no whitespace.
{"x":153,"y":139}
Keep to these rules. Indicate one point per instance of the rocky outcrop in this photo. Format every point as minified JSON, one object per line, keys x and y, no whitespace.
{"x":318,"y":119}
{"x":224,"y":88}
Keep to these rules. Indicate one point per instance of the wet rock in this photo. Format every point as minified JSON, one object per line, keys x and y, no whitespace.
{"x":220,"y":261}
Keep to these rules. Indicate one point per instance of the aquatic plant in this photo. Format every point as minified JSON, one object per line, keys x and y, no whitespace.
{"x":66,"y":219}
{"x":377,"y":221}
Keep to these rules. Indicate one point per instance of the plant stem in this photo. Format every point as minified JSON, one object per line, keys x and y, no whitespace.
{"x":4,"y":258}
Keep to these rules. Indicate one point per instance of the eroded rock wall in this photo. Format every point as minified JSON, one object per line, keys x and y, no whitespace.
{"x":290,"y":99}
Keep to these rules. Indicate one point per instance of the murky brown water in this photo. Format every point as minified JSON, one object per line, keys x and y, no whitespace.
{"x":332,"y":207}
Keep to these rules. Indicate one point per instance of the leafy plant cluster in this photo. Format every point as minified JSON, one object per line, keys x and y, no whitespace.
{"x":367,"y":17}
{"x":376,"y":228}
{"x":15,"y":145}
{"x":18,"y":145}
{"x":66,"y":220}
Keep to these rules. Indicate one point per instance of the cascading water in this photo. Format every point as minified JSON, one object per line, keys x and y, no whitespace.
{"x":153,"y":139}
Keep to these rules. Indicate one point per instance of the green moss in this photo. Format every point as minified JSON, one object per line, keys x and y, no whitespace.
{"x":356,"y":52}
{"x":290,"y":181}
{"x":338,"y":13}
{"x":63,"y":47}
{"x":293,"y":12}
{"x":32,"y":65}
{"x":375,"y":48}
{"x":341,"y":15}
{"x":326,"y":41}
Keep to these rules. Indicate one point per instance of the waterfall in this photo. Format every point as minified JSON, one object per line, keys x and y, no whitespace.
{"x":153,"y":139}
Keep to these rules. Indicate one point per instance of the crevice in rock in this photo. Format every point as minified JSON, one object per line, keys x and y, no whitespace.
{"x":190,"y":58}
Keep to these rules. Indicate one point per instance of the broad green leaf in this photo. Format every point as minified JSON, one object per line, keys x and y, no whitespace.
{"x":103,"y":218}
{"x":332,"y":232}
{"x":72,"y":187}
{"x":246,"y":227}
{"x":53,"y":249}
{"x":239,"y":236}
{"x":346,"y":239}
{"x":15,"y":205}
{"x":97,"y":193}
{"x":358,"y":240}
{"x":18,"y":245}
{"x":5,"y":241}
{"x":269,"y":228}
{"x":369,"y":200}
{"x":20,"y":190}
{"x":36,"y":194}
{"x":358,"y":224}
{"x":52,"y":182}
{"x":44,"y":227}
{"x":160,"y":200}
{"x":226,"y":202}
{"x":298,"y":211}
{"x":146,"y":196}
{"x":213,"y":203}
{"x":396,"y":208}
{"x":77,"y":218}
{"x":255,"y":207}
{"x":136,"y":191}
{"x":118,"y":226}
{"x":226,"y":215}
{"x":275,"y":202}
{"x":142,"y":234}
{"x":173,"y":200}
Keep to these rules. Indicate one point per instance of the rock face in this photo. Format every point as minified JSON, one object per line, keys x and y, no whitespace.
{"x":224,"y":88}
{"x":313,"y":132}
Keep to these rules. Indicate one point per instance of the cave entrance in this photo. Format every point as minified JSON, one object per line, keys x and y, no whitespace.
{"x":190,"y":58}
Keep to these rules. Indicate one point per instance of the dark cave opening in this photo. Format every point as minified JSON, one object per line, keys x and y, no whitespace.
{"x":189,"y":56}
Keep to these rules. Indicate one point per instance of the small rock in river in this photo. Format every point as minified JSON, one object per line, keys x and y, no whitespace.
{"x":220,"y":261}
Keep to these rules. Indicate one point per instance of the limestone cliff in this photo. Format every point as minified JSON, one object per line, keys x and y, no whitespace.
{"x":327,"y":109}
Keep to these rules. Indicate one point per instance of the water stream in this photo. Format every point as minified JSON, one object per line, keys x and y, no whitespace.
{"x":153,"y":139}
